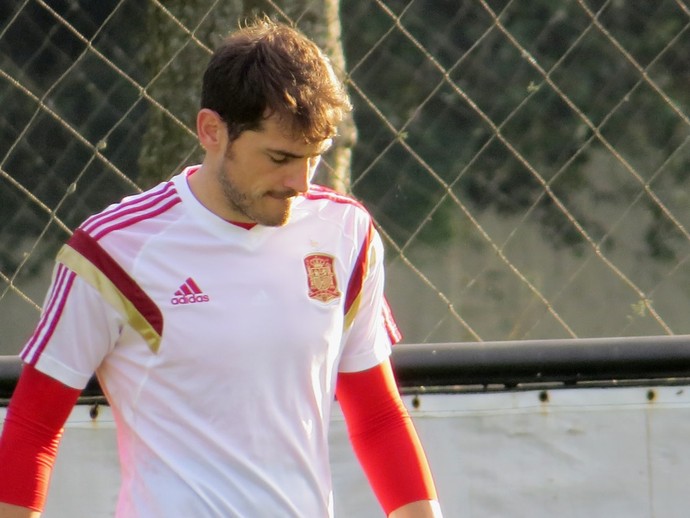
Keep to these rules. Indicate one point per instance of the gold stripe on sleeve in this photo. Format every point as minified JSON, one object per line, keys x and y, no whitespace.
{"x":79,"y":264}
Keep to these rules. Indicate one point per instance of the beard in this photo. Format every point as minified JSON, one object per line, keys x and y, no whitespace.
{"x":270,"y":208}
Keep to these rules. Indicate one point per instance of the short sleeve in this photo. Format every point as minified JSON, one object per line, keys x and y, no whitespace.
{"x":76,"y":330}
{"x":370,"y":329}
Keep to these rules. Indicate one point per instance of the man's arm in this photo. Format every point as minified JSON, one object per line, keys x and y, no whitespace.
{"x":386,"y":443}
{"x":29,"y":442}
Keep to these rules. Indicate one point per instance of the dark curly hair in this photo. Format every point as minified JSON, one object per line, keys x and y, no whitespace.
{"x":269,"y":68}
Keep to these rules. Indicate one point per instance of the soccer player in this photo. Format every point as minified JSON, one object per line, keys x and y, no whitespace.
{"x":223,"y":311}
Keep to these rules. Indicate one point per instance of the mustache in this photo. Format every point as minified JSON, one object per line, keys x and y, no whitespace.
{"x":283,"y":195}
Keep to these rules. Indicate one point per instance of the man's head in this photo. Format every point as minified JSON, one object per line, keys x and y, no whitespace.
{"x":265,"y":69}
{"x":270,"y":107}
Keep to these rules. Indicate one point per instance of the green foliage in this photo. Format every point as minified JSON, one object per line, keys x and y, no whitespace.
{"x":451,"y":113}
{"x":517,"y":127}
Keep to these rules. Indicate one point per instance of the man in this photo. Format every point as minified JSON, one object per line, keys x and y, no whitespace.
{"x":222,"y":312}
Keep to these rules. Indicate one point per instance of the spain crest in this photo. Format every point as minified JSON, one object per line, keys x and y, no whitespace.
{"x":323,"y":285}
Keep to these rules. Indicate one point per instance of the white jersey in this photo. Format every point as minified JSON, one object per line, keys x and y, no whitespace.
{"x":217,"y":347}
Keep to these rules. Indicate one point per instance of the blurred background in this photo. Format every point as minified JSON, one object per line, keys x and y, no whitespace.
{"x":526,"y":162}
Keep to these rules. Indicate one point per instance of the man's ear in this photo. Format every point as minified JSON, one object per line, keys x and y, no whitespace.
{"x":210,"y":129}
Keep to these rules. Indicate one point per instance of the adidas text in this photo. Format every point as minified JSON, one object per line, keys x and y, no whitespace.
{"x":189,"y":299}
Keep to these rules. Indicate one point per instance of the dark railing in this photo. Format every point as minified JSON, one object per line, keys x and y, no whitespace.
{"x":566,"y":362}
{"x":510,"y":365}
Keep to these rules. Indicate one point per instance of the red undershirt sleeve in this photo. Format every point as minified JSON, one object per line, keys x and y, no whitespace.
{"x":384,"y":438}
{"x":30,"y":437}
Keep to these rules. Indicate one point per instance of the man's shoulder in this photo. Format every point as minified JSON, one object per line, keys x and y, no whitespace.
{"x":119,"y":234}
{"x":331,"y":211}
{"x":132,"y":210}
{"x":330,"y":196}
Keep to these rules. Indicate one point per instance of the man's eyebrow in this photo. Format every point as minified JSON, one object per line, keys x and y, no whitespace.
{"x":286,"y":154}
{"x":289,"y":154}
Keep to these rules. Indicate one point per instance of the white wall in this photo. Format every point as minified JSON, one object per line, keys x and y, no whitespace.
{"x":614,"y":452}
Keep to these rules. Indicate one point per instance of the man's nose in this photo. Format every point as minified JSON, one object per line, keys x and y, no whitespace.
{"x":299,"y":175}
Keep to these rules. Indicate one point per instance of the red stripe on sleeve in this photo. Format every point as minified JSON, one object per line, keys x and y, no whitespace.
{"x":64,"y":280}
{"x":384,"y":438}
{"x":30,"y":437}
{"x":392,"y":329}
{"x":88,"y":247}
{"x":354,"y":287}
{"x":356,"y":283}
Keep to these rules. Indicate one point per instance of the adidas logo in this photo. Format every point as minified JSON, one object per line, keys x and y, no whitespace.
{"x":189,"y":293}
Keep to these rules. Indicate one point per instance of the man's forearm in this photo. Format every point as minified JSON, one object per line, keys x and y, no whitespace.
{"x":386,"y":442}
{"x":29,"y":441}
{"x":13,"y":511}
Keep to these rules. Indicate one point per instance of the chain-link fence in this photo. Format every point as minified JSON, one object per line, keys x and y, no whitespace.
{"x":526,"y":162}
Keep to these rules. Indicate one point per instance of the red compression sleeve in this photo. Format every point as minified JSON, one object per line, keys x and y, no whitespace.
{"x":30,"y":437}
{"x":384,"y":438}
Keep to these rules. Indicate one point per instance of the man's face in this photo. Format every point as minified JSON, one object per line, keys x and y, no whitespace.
{"x":262,"y":171}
